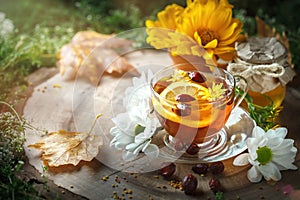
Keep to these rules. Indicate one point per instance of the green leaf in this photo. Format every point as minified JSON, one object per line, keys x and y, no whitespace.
{"x":264,"y":116}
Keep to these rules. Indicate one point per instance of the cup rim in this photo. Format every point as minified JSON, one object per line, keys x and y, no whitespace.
{"x":202,"y":65}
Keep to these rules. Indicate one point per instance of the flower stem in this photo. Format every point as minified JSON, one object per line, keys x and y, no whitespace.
{"x":94,"y":123}
{"x":14,"y":111}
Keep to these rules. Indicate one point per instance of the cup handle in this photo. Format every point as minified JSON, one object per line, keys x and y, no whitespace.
{"x":241,"y":89}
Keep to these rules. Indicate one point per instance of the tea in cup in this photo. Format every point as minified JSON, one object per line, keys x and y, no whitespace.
{"x":193,"y":106}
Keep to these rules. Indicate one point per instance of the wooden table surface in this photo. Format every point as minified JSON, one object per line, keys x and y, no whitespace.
{"x":153,"y":186}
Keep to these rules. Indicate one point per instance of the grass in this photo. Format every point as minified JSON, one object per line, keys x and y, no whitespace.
{"x":46,"y":13}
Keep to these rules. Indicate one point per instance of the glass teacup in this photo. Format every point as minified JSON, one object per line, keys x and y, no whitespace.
{"x":193,"y":106}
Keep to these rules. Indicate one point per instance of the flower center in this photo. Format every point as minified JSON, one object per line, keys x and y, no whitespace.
{"x":264,"y":155}
{"x":206,"y":36}
{"x":138,"y":129}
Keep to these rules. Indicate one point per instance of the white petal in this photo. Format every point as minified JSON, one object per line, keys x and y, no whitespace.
{"x":285,"y":166}
{"x":138,"y":114}
{"x":274,"y":142}
{"x":150,"y":129}
{"x":137,"y":96}
{"x":258,"y":132}
{"x":254,"y":175}
{"x":284,"y":147}
{"x":253,"y":162}
{"x":241,"y":160}
{"x":151,"y":126}
{"x":135,"y":147}
{"x":252,"y":144}
{"x":122,"y":122}
{"x":113,"y":141}
{"x":294,"y":150}
{"x":152,"y":150}
{"x":119,"y":145}
{"x":132,"y":146}
{"x":270,"y":172}
{"x":120,"y":141}
{"x":146,"y":144}
{"x":139,"y":148}
{"x":140,"y":138}
{"x":285,"y":162}
{"x":252,"y":147}
{"x":262,"y":141}
{"x":114,"y":131}
{"x":279,"y":132}
{"x":125,"y":139}
{"x":128,"y":156}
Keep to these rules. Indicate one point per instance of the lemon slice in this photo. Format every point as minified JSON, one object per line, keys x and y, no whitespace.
{"x":201,"y":114}
{"x":183,"y":87}
{"x":197,"y":119}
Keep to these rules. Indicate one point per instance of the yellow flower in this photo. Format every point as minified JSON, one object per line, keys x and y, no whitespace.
{"x":167,"y":18}
{"x":205,"y":24}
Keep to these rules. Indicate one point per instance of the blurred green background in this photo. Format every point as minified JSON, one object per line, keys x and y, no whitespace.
{"x":95,"y":13}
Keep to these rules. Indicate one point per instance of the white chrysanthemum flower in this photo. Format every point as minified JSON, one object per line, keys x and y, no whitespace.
{"x":6,"y":26}
{"x":134,"y":129}
{"x":139,"y":92}
{"x":269,"y":152}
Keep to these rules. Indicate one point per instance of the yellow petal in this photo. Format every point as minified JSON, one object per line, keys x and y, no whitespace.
{"x":167,"y":18}
{"x":159,"y":38}
{"x":212,"y":44}
{"x":150,"y":23}
{"x":221,"y":20}
{"x":234,"y":36}
{"x":198,"y":38}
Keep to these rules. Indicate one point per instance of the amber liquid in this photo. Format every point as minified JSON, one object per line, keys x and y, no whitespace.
{"x":277,"y":95}
{"x":201,"y":125}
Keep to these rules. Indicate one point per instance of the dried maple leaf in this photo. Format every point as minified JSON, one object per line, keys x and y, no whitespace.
{"x":62,"y":147}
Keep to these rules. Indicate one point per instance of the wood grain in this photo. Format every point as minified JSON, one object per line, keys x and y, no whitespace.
{"x":73,"y":107}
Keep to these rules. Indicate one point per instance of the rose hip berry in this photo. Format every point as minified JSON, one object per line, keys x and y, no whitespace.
{"x":160,"y":86}
{"x":193,"y":149}
{"x":189,"y":184}
{"x":216,"y":167}
{"x":168,"y":169}
{"x":197,"y":77}
{"x":214,"y":185}
{"x":200,"y":168}
{"x":184,"y":98}
{"x":182,"y":109}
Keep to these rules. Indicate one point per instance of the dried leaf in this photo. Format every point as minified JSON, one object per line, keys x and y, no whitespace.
{"x":62,"y":147}
{"x":263,"y":29}
{"x":90,"y":54}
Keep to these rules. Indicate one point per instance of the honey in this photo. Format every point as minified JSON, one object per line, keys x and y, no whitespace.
{"x":263,"y":62}
{"x":277,"y":96}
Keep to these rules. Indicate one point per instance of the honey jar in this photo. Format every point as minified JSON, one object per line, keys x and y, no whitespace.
{"x":263,"y":61}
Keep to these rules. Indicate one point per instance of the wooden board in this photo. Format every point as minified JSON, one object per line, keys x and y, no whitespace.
{"x":73,"y":107}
